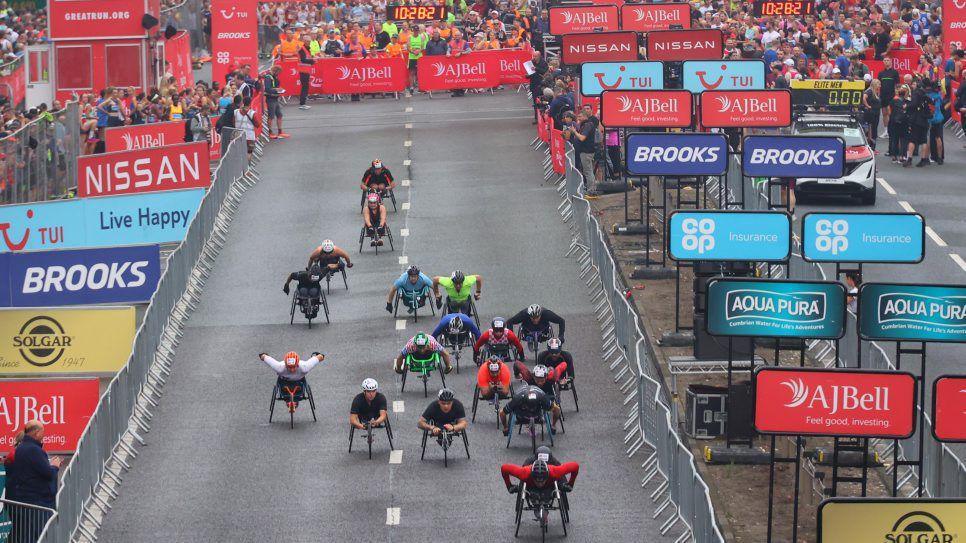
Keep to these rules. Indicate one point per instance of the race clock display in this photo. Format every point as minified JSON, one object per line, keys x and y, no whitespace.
{"x":764,"y":8}
{"x":827,"y":93}
{"x":415,"y":13}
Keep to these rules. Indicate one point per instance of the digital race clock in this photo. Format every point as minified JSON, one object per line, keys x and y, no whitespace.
{"x":764,"y":8}
{"x":827,"y":93}
{"x":415,"y":13}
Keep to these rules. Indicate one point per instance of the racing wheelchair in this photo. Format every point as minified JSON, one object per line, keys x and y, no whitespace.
{"x":309,"y":306}
{"x":445,"y":440}
{"x":423,"y":368}
{"x":542,"y":502}
{"x":383,"y":195}
{"x":369,"y":434}
{"x":291,"y":392}
{"x":385,"y":232}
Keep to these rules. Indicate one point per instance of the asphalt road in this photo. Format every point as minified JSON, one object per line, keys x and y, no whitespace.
{"x":216,"y":470}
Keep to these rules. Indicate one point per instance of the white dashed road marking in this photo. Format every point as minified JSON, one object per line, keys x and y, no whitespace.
{"x":395,"y":457}
{"x":935,"y":237}
{"x":400,"y":324}
{"x":405,"y":206}
{"x":958,"y":260}
{"x":404,"y":232}
{"x":409,"y":110}
{"x":398,"y":406}
{"x":888,"y":188}
{"x":392,"y":516}
{"x":407,"y":143}
{"x":404,"y":182}
{"x":407,"y":162}
{"x":409,"y":125}
{"x":905,"y":205}
{"x":404,"y":260}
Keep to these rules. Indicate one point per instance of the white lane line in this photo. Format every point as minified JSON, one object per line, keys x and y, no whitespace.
{"x":405,"y":206}
{"x":408,"y":143}
{"x":404,"y":260}
{"x":959,"y":260}
{"x":888,"y":188}
{"x":935,"y":237}
{"x":400,"y":324}
{"x":395,"y":457}
{"x":407,"y":162}
{"x":398,"y":406}
{"x":409,"y":125}
{"x":905,"y":205}
{"x":409,"y":110}
{"x":392,"y":516}
{"x":404,"y":182}
{"x":404,"y":232}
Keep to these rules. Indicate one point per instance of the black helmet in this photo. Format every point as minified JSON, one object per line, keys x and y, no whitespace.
{"x":315,"y":272}
{"x":553,"y":345}
{"x":457,"y":276}
{"x":543,"y":453}
{"x":539,"y":472}
{"x":498,"y":323}
{"x":456,"y":325}
{"x":445,"y":395}
{"x":413,"y":270}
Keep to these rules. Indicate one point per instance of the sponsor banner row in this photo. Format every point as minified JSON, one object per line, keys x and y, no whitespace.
{"x":147,"y":168}
{"x":64,"y":406}
{"x":143,"y":136}
{"x":912,"y":312}
{"x":79,"y":277}
{"x":758,"y":236}
{"x":674,"y":108}
{"x":98,"y":19}
{"x":139,"y":219}
{"x":65,"y":341}
{"x":607,"y":17}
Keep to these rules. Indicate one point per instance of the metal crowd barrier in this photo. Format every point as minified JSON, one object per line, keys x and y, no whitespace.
{"x":124,"y":411}
{"x":39,"y":161}
{"x":22,"y":522}
{"x":187,"y":15}
{"x":677,"y":488}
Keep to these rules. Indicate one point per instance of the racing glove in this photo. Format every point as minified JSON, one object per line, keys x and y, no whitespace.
{"x":285,"y":289}
{"x":439,"y":302}
{"x":389,"y":307}
{"x":514,"y":489}
{"x":564,"y":487}
{"x":349,"y":265}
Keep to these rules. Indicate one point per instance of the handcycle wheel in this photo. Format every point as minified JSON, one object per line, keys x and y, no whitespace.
{"x":292,"y":314}
{"x":442,"y":373}
{"x":345,"y":279}
{"x":565,"y":510}
{"x":325,"y":306}
{"x":445,"y":457}
{"x":362,"y":238}
{"x":519,"y":509}
{"x":456,"y":355}
{"x":476,"y":401}
{"x":369,"y":439}
{"x":271,"y":406}
{"x":404,"y":373}
{"x":425,"y":379}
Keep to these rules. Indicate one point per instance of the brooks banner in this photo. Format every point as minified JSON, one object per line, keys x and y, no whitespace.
{"x":48,"y":341}
{"x":234,"y":37}
{"x":949,"y":408}
{"x":143,"y":136}
{"x":757,"y":236}
{"x":596,"y":77}
{"x":648,"y":108}
{"x":901,"y":312}
{"x":648,"y":17}
{"x":892,"y":520}
{"x":793,"y":156}
{"x":63,"y":406}
{"x":144,"y":170}
{"x":775,"y":308}
{"x":676,"y":154}
{"x":753,"y":108}
{"x":864,"y":237}
{"x":470,"y":71}
{"x":80,"y":277}
{"x":835,"y":402}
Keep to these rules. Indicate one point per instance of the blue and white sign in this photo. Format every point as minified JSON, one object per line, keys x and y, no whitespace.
{"x":897,"y":312}
{"x":157,"y":217}
{"x":864,"y":237}
{"x":758,"y":236}
{"x":773,"y":308}
{"x":677,"y":154}
{"x":81,"y":277}
{"x":793,"y":156}
{"x":596,"y":77}
{"x":701,"y":75}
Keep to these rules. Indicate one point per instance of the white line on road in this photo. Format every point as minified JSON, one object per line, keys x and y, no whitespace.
{"x":405,"y":206}
{"x":409,"y":110}
{"x":409,"y":125}
{"x":407,"y":162}
{"x":400,"y":324}
{"x":405,"y":182}
{"x":935,"y":237}
{"x":905,"y":205}
{"x":392,"y":516}
{"x":398,"y":406}
{"x":404,"y":232}
{"x":404,"y":260}
{"x":959,"y":260}
{"x":888,"y":188}
{"x":395,"y":457}
{"x":408,"y":143}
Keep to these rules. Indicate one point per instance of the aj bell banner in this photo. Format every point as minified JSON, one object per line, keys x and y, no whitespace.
{"x":143,"y":136}
{"x":793,"y":156}
{"x":775,"y":308}
{"x":864,"y":237}
{"x":758,"y":236}
{"x":902,"y":312}
{"x":64,"y":406}
{"x":466,"y":72}
{"x":81,"y":277}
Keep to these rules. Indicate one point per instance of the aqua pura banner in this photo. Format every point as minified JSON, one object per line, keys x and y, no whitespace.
{"x":864,"y":237}
{"x":776,"y":308}
{"x":758,"y":236}
{"x":596,"y":77}
{"x":905,"y":312}
{"x":140,"y":219}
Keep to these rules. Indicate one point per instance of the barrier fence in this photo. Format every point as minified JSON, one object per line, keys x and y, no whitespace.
{"x":22,"y":522}
{"x":39,"y":161}
{"x":680,"y":494}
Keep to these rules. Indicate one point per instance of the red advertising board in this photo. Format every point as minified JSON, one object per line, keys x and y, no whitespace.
{"x":648,"y":108}
{"x":648,"y":17}
{"x":472,"y":71}
{"x":905,"y":61}
{"x":14,"y":85}
{"x":558,"y":151}
{"x":949,"y":408}
{"x":143,"y":136}
{"x":173,"y":167}
{"x":177,"y":52}
{"x":234,"y":37}
{"x":598,"y":47}
{"x":214,"y":140}
{"x":511,"y":62}
{"x":576,"y":19}
{"x":741,"y":108}
{"x":863,"y":403}
{"x":96,"y":19}
{"x":64,"y":406}
{"x":685,"y":45}
{"x":361,"y":75}
{"x":954,"y":26}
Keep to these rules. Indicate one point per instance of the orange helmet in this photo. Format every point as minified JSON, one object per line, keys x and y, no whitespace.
{"x":291,"y":360}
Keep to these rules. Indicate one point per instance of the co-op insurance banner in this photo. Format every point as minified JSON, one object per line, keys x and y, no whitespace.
{"x":903,"y":312}
{"x":757,"y":236}
{"x":48,"y":341}
{"x":144,"y":170}
{"x":79,"y":277}
{"x":64,"y":406}
{"x":140,"y":219}
{"x":864,"y":237}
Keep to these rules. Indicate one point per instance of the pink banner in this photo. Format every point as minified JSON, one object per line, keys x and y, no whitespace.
{"x":558,"y":151}
{"x":234,"y":37}
{"x":905,"y":61}
{"x":954,"y":26}
{"x":214,"y":141}
{"x":63,"y":406}
{"x":177,"y":52}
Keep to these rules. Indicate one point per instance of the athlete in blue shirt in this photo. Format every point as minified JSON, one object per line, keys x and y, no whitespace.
{"x":468,"y":324}
{"x":413,"y":287}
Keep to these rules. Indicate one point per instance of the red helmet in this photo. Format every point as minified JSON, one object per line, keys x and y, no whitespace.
{"x":291,"y":360}
{"x":373,"y":198}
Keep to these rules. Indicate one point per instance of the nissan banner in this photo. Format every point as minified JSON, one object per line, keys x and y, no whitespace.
{"x":756,"y":236}
{"x":144,"y":170}
{"x":649,"y":108}
{"x":678,"y":45}
{"x":793,"y":156}
{"x":648,"y":17}
{"x":596,"y":77}
{"x":598,"y":47}
{"x":63,"y":406}
{"x":864,"y":237}
{"x":676,"y":154}
{"x":903,"y":312}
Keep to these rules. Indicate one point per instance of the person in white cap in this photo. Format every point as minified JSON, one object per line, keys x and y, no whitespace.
{"x":370,"y":406}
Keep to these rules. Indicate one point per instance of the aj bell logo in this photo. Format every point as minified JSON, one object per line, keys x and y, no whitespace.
{"x":647,"y":106}
{"x":42,"y":341}
{"x":656,"y":16}
{"x":698,"y":235}
{"x":462,"y":69}
{"x":831,"y":236}
{"x":919,"y":527}
{"x":835,"y":398}
{"x":364,"y":74}
{"x":585,"y":18}
{"x":745,"y":106}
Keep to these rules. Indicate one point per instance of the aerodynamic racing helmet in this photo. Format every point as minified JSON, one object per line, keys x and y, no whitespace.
{"x":494,"y":366}
{"x":370,"y":385}
{"x":539,"y":472}
{"x":498,"y":324}
{"x":328,"y":246}
{"x":445,"y":395}
{"x":413,"y":270}
{"x":377,"y":164}
{"x":421,"y":340}
{"x":291,"y":360}
{"x":553,"y":345}
{"x":540,"y":371}
{"x":534,"y":311}
{"x":373,"y":198}
{"x":456,"y":326}
{"x":457,"y":276}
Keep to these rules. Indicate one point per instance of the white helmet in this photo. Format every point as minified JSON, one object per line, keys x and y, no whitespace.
{"x":540,"y":371}
{"x":534,"y":310}
{"x":494,"y":366}
{"x":328,"y":246}
{"x":370,"y":384}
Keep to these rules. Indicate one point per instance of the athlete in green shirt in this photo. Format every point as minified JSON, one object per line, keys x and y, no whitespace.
{"x":458,"y":288}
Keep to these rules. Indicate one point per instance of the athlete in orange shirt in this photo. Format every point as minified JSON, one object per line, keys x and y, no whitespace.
{"x":493,"y":374}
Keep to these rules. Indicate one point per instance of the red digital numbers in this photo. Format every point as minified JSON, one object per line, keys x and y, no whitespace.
{"x":765,"y":8}
{"x":416,"y":13}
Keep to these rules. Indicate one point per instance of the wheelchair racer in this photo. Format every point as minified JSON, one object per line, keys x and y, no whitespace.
{"x":529,"y":402}
{"x":413,"y":286}
{"x":560,"y":360}
{"x":456,"y":325}
{"x":458,"y":288}
{"x":498,"y":339}
{"x":536,"y":320}
{"x":369,"y":406}
{"x":540,"y":476}
{"x":309,"y":286}
{"x":374,"y":218}
{"x":291,"y":373}
{"x":421,"y":347}
{"x":543,"y":453}
{"x":330,"y":257}
{"x":446,"y":413}
{"x":543,"y":378}
{"x":493,"y":376}
{"x":377,"y":178}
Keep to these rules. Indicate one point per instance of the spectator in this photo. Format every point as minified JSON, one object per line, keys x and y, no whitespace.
{"x":936,"y":122}
{"x":899,"y":124}
{"x":871,"y":105}
{"x":582,"y":135}
{"x":274,"y":109}
{"x":31,"y":479}
{"x":247,"y":122}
